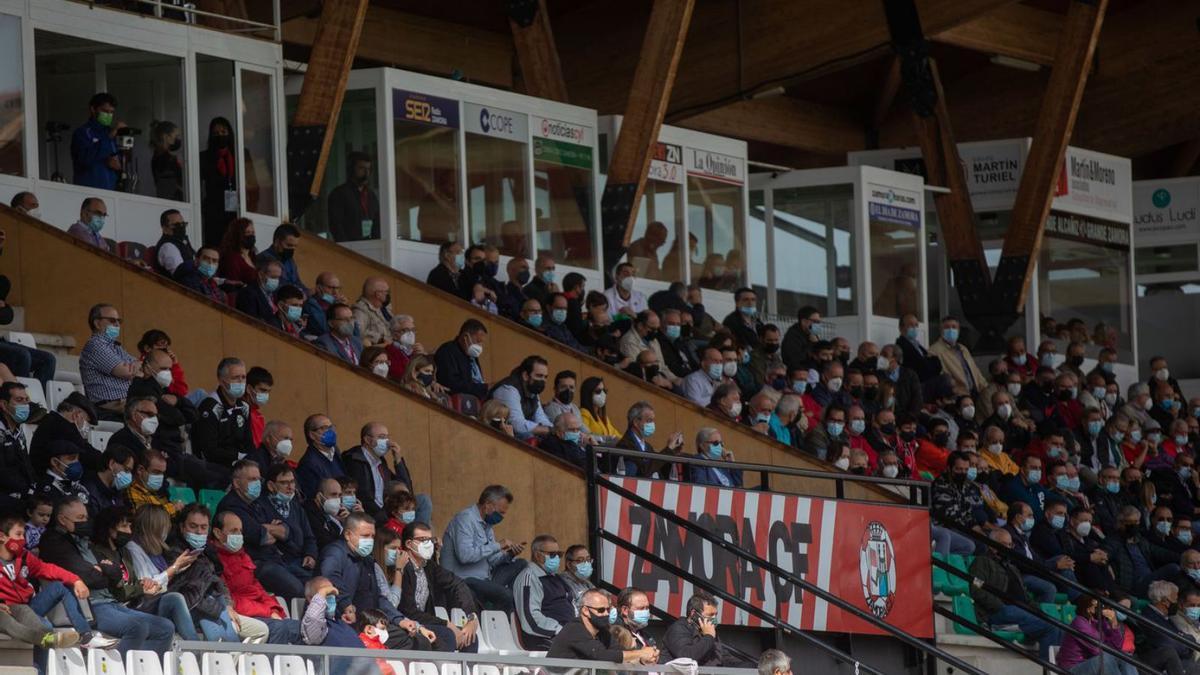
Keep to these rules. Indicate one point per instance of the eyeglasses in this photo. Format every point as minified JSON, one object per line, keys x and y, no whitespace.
{"x":604,"y":610}
{"x":113,"y":319}
{"x":580,"y":560}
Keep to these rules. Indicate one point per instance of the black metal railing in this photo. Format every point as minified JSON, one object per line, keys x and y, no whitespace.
{"x":597,"y":481}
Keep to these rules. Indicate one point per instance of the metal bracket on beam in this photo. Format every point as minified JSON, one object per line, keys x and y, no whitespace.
{"x":303,"y":154}
{"x":616,"y":205}
{"x":523,"y":12}
{"x":910,"y":45}
{"x":1009,"y":280}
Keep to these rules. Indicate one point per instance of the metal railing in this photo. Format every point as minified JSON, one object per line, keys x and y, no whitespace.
{"x":324,"y":654}
{"x":597,"y":481}
{"x":187,"y":12}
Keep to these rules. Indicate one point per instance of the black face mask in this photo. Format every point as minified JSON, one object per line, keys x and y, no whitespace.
{"x":1075,"y":361}
{"x":856,"y":392}
{"x":286,"y":254}
{"x":121,"y":538}
{"x":425,"y":379}
{"x":941,"y":438}
{"x":221,"y":141}
{"x":870,"y":392}
{"x":779,"y":383}
{"x":1129,"y":531}
{"x":523,"y":277}
{"x":249,"y":241}
{"x":650,"y":371}
{"x":536,"y":387}
{"x":564,"y":396}
{"x":1000,"y":379}
{"x":174,"y":147}
{"x":858,"y":470}
{"x":770,"y":347}
{"x":492,"y":268}
{"x":599,"y":621}
{"x":907,"y":436}
{"x":1065,"y":395}
{"x":888,"y":429}
{"x":83,"y":530}
{"x":1047,"y":387}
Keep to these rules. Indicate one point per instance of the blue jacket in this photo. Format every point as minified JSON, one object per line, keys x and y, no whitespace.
{"x":314,"y":468}
{"x":253,"y":300}
{"x":454,"y":371}
{"x":291,"y":273}
{"x":329,"y":344}
{"x":314,"y":311}
{"x":300,"y":540}
{"x":91,"y":146}
{"x":707,"y":475}
{"x":1014,"y":489}
{"x":354,"y":577}
{"x":253,"y":515}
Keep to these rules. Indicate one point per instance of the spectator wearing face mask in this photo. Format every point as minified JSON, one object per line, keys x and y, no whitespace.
{"x":321,"y":459}
{"x":1026,"y":486}
{"x":856,"y":431}
{"x":1136,"y":562}
{"x":368,"y":465}
{"x":472,"y":551}
{"x":623,"y":300}
{"x":1178,"y":487}
{"x":956,"y":503}
{"x":457,"y":361}
{"x":832,"y":429}
{"x":1138,"y":403}
{"x":258,"y":300}
{"x":71,"y":421}
{"x":710,"y":446}
{"x":543,"y":600}
{"x":993,"y":453}
{"x":222,"y":434}
{"x":426,"y":584}
{"x":284,"y":241}
{"x":567,"y":440}
{"x":828,"y":391}
{"x":593,"y":400}
{"x":933,"y":451}
{"x":107,"y":487}
{"x":172,"y":412}
{"x":447,"y":276}
{"x":341,"y":340}
{"x":63,"y":478}
{"x":1188,"y":578}
{"x":326,"y":513}
{"x":275,"y":448}
{"x":558,"y":328}
{"x":263,"y":529}
{"x":1017,"y":427}
{"x":1159,"y":372}
{"x":521,"y":392}
{"x":511,"y":297}
{"x":327,"y":291}
{"x":787,"y":424}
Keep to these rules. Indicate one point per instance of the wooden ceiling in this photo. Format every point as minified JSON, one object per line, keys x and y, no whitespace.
{"x":822,"y":68}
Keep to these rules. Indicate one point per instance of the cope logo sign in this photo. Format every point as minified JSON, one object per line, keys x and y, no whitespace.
{"x":495,"y":122}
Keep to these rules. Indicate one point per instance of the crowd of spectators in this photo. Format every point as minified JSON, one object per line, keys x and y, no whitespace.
{"x":1064,"y":467}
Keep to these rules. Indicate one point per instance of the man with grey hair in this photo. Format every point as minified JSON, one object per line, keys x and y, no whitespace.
{"x":222,"y":434}
{"x":1157,"y":650}
{"x":104,"y":366}
{"x":774,"y":662}
{"x":787,"y":420}
{"x":470,"y":549}
{"x":710,"y":446}
{"x":276,"y":445}
{"x":762,"y":405}
{"x":403,"y":345}
{"x":567,"y":440}
{"x":1137,"y":406}
{"x":640,"y":419}
{"x":995,"y":571}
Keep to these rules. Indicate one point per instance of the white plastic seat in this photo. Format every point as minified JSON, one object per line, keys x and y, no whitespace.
{"x":99,"y":439}
{"x":422,"y":668}
{"x":452,"y":669}
{"x":68,"y":661}
{"x":485,"y":669}
{"x":290,"y":664}
{"x":217,"y":663}
{"x":22,"y":338}
{"x":56,"y":392}
{"x":495,"y":627}
{"x":297,"y":608}
{"x":397,"y":666}
{"x":254,"y":664}
{"x":441,"y":613}
{"x":143,"y":662}
{"x":105,"y":662}
{"x":186,"y":663}
{"x":458,"y":616}
{"x":34,"y":388}
{"x":287,"y":613}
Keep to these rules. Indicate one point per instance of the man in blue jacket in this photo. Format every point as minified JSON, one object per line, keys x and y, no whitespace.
{"x":94,"y":154}
{"x":262,"y":529}
{"x":710,"y":446}
{"x":1026,"y":486}
{"x":322,"y":459}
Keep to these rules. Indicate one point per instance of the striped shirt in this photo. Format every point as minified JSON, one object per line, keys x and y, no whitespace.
{"x":96,"y":362}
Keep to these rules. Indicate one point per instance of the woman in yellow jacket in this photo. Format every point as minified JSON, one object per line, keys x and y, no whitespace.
{"x":592,"y":399}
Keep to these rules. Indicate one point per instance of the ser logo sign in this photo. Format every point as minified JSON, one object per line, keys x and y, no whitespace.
{"x":425,"y":109}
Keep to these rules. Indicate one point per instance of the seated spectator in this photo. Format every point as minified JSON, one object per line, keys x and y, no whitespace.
{"x":495,"y":414}
{"x":106,"y":488}
{"x":531,"y":315}
{"x":558,"y":328}
{"x":698,"y":386}
{"x":26,"y":605}
{"x":222,"y":434}
{"x":1101,"y":625}
{"x":275,"y":448}
{"x":67,"y":544}
{"x":542,"y":285}
{"x":284,"y":240}
{"x":145,"y":558}
{"x":1026,"y":486}
{"x":258,"y":299}
{"x":710,"y":446}
{"x":726,"y":400}
{"x":448,"y":273}
{"x":104,"y":366}
{"x":325,"y":513}
{"x":262,"y":529}
{"x":511,"y":296}
{"x":648,"y":368}
{"x":321,"y":459}
{"x":172,"y":412}
{"x":957,"y":505}
{"x":623,"y":300}
{"x":588,"y":638}
{"x":566,"y":440}
{"x":472,"y":552}
{"x":372,"y":314}
{"x":327,"y":291}
{"x":1021,"y":521}
{"x":1135,"y":562}
{"x":544,"y":601}
{"x":367,"y":464}
{"x":403,"y":347}
{"x":995,"y":571}
{"x":71,"y":421}
{"x":639,"y":429}
{"x":421,"y":378}
{"x":1155,"y":649}
{"x":521,"y":392}
{"x":298,"y":549}
{"x":237,"y":252}
{"x":1179,"y":486}
{"x":995,"y":455}
{"x":289,"y":310}
{"x":399,"y":509}
{"x":323,"y":625}
{"x":832,"y":429}
{"x":828,"y":391}
{"x":27,"y":203}
{"x":1051,"y":545}
{"x":14,"y":411}
{"x":247,"y":593}
{"x":259,"y":383}
{"x":457,"y":361}
{"x":375,"y":359}
{"x":341,"y":340}
{"x":564,"y":396}
{"x":933,"y":451}
{"x":694,"y":635}
{"x":93,"y":215}
{"x":577,"y":571}
{"x":199,"y":273}
{"x":62,"y":479}
{"x":201,"y":584}
{"x":788,"y":425}
{"x":593,"y":397}
{"x":1187,"y":620}
{"x":633,"y":614}
{"x":149,"y":486}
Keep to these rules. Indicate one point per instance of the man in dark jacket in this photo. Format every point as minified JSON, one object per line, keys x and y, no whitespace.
{"x":694,"y":635}
{"x":69,"y":422}
{"x":1157,"y":650}
{"x":367,"y":465}
{"x":916,"y":356}
{"x":994,"y":571}
{"x":353,"y":207}
{"x":637,"y":437}
{"x":17,"y":477}
{"x":1177,"y":487}
{"x":262,"y":529}
{"x":558,"y":328}
{"x":566,"y":440}
{"x":1136,"y":562}
{"x":442,"y":589}
{"x":743,"y":320}
{"x":458,"y":361}
{"x":588,"y":638}
{"x":325,"y":514}
{"x":259,"y":300}
{"x":299,"y":549}
{"x":1106,"y":500}
{"x":174,"y":412}
{"x":222,"y":434}
{"x":322,"y":459}
{"x":542,"y":285}
{"x":106,"y":487}
{"x":544,"y":601}
{"x":446,"y":276}
{"x":798,"y":341}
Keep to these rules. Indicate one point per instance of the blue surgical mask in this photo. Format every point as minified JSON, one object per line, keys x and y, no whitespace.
{"x":950,"y":335}
{"x":329,"y":438}
{"x":641,"y":617}
{"x":972,"y":473}
{"x":762,"y":418}
{"x":560,"y":316}
{"x":327,"y":298}
{"x":460,"y":260}
{"x":716,"y":450}
{"x":1027,"y":525}
{"x":648,"y":429}
{"x":746,"y":357}
{"x":715,"y":371}
{"x":548,"y":276}
{"x":234,"y":542}
{"x":858,"y":426}
{"x":1163,"y":527}
{"x":365,"y":546}
{"x":1185,"y":537}
{"x":799,"y":386}
{"x":122,"y":480}
{"x":261,"y":398}
{"x":330,"y":606}
{"x":1094,"y":427}
{"x":1062,"y":482}
{"x":583,"y":570}
{"x":271,"y":284}
{"x":74,"y":471}
{"x":392,"y":554}
{"x":254,"y":489}
{"x":1035,"y":475}
{"x":1113,"y":487}
{"x":112,"y":331}
{"x":1185,"y":472}
{"x":1121,"y":616}
{"x":407,"y":517}
{"x":1136,"y":435}
{"x":911,"y":333}
{"x":1073,"y":484}
{"x":535,"y":320}
{"x":21,"y":412}
{"x":237,"y":389}
{"x":97,"y":223}
{"x":294,"y":312}
{"x":281,"y":498}
{"x":206,"y":270}
{"x":348,"y":502}
{"x":749,"y":310}
{"x":1193,"y":613}
{"x":195,"y":541}
{"x":572,"y":436}
{"x":834,"y":428}
{"x":1058,"y":521}
{"x":551,"y":563}
{"x":154,"y":482}
{"x":672,"y":332}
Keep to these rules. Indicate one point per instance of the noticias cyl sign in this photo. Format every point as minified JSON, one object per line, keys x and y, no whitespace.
{"x":557,"y":130}
{"x":496,"y":122}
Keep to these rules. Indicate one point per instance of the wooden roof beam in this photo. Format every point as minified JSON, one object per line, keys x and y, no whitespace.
{"x":784,"y":121}
{"x":1016,"y":31}
{"x":537,"y":54}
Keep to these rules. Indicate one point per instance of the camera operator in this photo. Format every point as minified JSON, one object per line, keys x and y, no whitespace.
{"x":95,"y":156}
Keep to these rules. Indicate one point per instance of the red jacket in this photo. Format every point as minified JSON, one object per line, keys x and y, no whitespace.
{"x":249,"y":597}
{"x":15,"y":589}
{"x":931,"y":459}
{"x":372,"y":642}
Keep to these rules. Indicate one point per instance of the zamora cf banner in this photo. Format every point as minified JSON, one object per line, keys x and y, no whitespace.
{"x":873,"y":556}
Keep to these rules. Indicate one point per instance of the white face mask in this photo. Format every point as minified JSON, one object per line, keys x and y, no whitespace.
{"x":149,"y":426}
{"x":1014,"y":388}
{"x":408,"y":338}
{"x":1004,"y":411}
{"x":968,"y":412}
{"x":380,"y":369}
{"x":834,"y":384}
{"x":735,"y":409}
{"x":425,"y":550}
{"x":729,"y":369}
{"x":331,"y":506}
{"x":599,"y":399}
{"x":891,"y":471}
{"x":842,"y":463}
{"x":284,"y":448}
{"x":475,"y":350}
{"x":163,"y":378}
{"x":34,"y":213}
{"x":627,"y":284}
{"x":995,"y":448}
{"x":382,"y":635}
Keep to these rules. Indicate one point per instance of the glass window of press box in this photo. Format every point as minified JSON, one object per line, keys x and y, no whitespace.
{"x":564,"y":202}
{"x":348,"y":206}
{"x":716,"y":230}
{"x":497,"y":155}
{"x":133,"y":141}
{"x":1084,"y":283}
{"x":12,"y":98}
{"x":653,"y":249}
{"x":427,"y":167}
{"x":814,"y":251}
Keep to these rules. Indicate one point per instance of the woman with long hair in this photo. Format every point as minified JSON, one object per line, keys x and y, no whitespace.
{"x":165,"y":139}
{"x":420,"y":377}
{"x":147,"y":549}
{"x":593,"y":402}
{"x":237,"y":252}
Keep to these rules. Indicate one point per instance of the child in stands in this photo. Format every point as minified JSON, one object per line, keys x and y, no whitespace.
{"x":39,"y":510}
{"x":373,"y":633}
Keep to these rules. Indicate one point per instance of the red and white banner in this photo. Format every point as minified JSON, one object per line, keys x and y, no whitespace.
{"x":873,"y":556}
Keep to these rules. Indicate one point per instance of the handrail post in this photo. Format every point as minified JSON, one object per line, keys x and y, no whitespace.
{"x":593,"y":508}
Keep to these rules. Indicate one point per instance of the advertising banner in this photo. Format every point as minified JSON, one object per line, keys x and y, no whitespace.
{"x":667,"y":163}
{"x":417,"y":107}
{"x":494,"y":122}
{"x":873,"y":556}
{"x":714,"y":165}
{"x":566,"y":154}
{"x":1095,"y":184}
{"x":1166,"y":210}
{"x":893,"y":205}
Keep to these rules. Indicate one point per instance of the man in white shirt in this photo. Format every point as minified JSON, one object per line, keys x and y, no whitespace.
{"x":622,"y":299}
